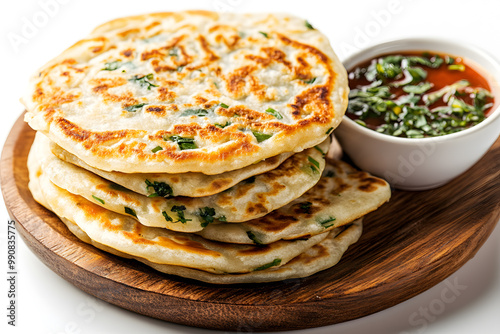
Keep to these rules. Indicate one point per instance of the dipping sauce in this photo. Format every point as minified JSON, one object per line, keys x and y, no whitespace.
{"x":418,"y":94}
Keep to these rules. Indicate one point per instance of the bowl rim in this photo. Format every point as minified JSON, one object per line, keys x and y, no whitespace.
{"x":436,"y":42}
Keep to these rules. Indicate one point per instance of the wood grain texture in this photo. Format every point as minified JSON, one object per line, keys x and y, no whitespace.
{"x":410,"y":244}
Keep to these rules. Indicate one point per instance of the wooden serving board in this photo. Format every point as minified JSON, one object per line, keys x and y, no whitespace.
{"x":410,"y":244}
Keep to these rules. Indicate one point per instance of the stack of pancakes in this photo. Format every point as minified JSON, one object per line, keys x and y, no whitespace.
{"x":196,"y":143}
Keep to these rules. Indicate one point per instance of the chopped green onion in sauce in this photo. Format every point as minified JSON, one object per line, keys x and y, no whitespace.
{"x":459,"y":67}
{"x":418,"y":95}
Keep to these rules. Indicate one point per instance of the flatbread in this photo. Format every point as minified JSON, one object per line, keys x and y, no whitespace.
{"x":190,"y":91}
{"x":319,"y":257}
{"x":162,"y":246}
{"x":323,"y":255}
{"x":36,"y":156}
{"x":180,"y":184}
{"x":342,"y":195}
{"x":250,"y":199}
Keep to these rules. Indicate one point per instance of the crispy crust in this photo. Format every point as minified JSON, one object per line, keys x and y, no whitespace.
{"x":342,"y":195}
{"x":233,"y":67}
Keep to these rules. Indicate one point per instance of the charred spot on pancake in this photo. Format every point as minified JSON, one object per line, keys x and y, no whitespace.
{"x":255,"y":250}
{"x":274,"y":222}
{"x":127,"y":53}
{"x":255,"y":208}
{"x":218,"y":184}
{"x":370,"y":184}
{"x":158,"y":110}
{"x":340,"y":185}
{"x":125,"y":196}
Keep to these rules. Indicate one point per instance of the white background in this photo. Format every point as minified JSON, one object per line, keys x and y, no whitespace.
{"x":48,"y":304}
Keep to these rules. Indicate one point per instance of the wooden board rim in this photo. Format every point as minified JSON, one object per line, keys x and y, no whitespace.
{"x":293,"y":304}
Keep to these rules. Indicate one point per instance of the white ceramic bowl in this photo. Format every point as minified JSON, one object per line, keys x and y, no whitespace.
{"x":422,"y":163}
